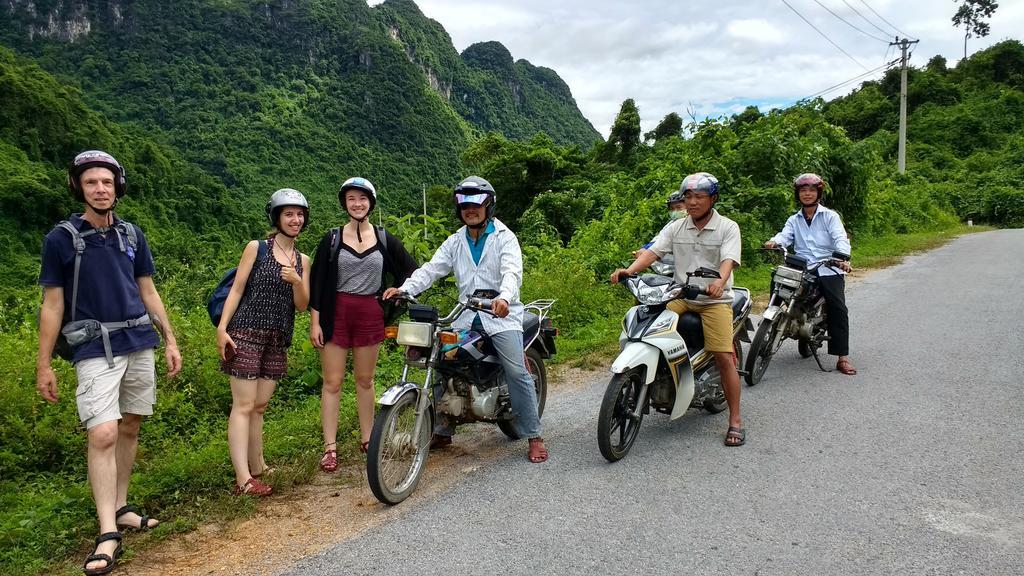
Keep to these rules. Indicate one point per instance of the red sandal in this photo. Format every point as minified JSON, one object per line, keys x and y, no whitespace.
{"x":538,"y":452}
{"x":329,"y":461}
{"x":845,"y":367}
{"x":254,"y":487}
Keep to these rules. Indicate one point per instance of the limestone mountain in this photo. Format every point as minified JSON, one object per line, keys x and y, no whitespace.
{"x":300,"y":93}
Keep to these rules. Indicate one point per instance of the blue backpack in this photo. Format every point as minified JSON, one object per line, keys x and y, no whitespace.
{"x":215,"y":305}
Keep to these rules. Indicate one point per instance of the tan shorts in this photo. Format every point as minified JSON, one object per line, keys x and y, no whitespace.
{"x":104,"y":393}
{"x":717,"y":322}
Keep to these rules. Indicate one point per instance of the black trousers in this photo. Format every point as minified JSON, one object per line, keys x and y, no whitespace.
{"x":837,"y":316}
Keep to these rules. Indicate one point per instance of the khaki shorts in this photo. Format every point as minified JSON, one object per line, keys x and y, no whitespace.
{"x":717,"y":322}
{"x":104,"y":393}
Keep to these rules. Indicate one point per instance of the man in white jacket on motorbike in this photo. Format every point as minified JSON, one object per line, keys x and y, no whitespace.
{"x":485,"y":255}
{"x":704,"y":238}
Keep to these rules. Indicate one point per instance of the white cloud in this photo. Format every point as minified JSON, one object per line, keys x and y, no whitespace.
{"x":718,"y":56}
{"x":760,"y":31}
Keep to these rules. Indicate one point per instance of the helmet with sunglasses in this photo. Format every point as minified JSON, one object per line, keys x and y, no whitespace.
{"x":95,"y":159}
{"x":699,"y":182}
{"x":808,"y":179}
{"x":475,"y":190}
{"x":286,"y":197}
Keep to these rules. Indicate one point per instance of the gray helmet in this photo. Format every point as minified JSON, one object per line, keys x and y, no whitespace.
{"x":475,"y":190}
{"x":357,"y":183}
{"x":95,"y":159}
{"x":700,"y":182}
{"x":676,"y":196}
{"x":287,"y":197}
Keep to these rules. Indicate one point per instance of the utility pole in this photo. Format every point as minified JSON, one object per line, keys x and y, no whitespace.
{"x":424,"y":211}
{"x":901,"y":158}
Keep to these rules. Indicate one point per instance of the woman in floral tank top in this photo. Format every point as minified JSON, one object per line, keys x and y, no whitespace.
{"x":256,"y":329}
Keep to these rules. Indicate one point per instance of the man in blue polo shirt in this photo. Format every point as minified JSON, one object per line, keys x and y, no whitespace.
{"x":115,"y":372}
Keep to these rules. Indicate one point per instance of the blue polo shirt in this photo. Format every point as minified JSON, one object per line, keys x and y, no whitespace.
{"x":476,"y":247}
{"x":107,"y":289}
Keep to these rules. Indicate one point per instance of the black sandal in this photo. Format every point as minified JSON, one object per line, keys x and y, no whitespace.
{"x":143,"y":522}
{"x":110,"y":559}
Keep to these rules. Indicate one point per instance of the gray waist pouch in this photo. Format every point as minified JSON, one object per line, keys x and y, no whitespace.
{"x":80,"y":332}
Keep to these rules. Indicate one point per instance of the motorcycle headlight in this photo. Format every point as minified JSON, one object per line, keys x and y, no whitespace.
{"x":415,"y":334}
{"x":649,"y":294}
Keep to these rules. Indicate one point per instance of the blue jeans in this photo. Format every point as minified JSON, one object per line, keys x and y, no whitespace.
{"x":521,"y":392}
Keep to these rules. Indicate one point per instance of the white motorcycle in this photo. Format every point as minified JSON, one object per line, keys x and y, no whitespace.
{"x":662,"y":363}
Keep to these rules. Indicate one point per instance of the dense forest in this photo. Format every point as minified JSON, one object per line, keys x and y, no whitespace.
{"x":212,"y":105}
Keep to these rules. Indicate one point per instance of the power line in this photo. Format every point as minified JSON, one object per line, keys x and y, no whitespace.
{"x":823,"y":35}
{"x":864,"y":18}
{"x":864,"y":2}
{"x":886,"y":66}
{"x":844,"y":21}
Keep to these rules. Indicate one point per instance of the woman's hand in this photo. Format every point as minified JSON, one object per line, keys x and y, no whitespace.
{"x":225,"y":345}
{"x":316,"y":336}
{"x":289,"y":275}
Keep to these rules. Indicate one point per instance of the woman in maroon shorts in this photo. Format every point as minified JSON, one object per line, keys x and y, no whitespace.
{"x":256,"y":329}
{"x":351,"y":268}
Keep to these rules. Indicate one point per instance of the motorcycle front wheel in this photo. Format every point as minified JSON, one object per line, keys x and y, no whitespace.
{"x":766,"y":342}
{"x":618,"y":422}
{"x":395,"y":460}
{"x":539,"y":374}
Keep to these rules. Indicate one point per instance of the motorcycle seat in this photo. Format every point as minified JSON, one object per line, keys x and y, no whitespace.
{"x":692,"y":329}
{"x":531,"y":326}
{"x":740,"y":296}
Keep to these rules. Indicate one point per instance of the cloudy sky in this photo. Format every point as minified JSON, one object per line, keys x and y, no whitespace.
{"x":709,"y":57}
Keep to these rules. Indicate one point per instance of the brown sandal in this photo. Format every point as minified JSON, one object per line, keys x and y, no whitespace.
{"x":845,"y":367}
{"x":538,"y":452}
{"x":329,"y":461}
{"x":364,"y":447}
{"x":735,"y":436}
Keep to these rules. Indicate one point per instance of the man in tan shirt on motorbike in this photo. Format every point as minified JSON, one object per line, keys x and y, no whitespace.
{"x":704,"y":238}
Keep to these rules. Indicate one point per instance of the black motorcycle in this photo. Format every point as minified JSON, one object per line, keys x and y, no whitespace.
{"x":795,"y":310}
{"x":463,"y":380}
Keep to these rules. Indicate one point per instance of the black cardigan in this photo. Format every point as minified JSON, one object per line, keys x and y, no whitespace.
{"x":398,"y":265}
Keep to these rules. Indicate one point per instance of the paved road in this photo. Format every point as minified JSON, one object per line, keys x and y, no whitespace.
{"x":911,"y":467}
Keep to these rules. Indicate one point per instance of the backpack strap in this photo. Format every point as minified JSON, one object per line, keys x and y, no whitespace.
{"x":78,"y":242}
{"x":382,"y":237}
{"x":261,"y":250}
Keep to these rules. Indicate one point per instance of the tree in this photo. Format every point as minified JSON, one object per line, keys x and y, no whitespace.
{"x":624,"y":138}
{"x":970,"y":15}
{"x":670,"y":125}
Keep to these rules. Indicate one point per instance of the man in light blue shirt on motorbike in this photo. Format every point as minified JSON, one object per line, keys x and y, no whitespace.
{"x":484,"y":255}
{"x":817,"y":232}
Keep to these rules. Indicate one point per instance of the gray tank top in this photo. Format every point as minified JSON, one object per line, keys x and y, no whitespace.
{"x":359,"y":274}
